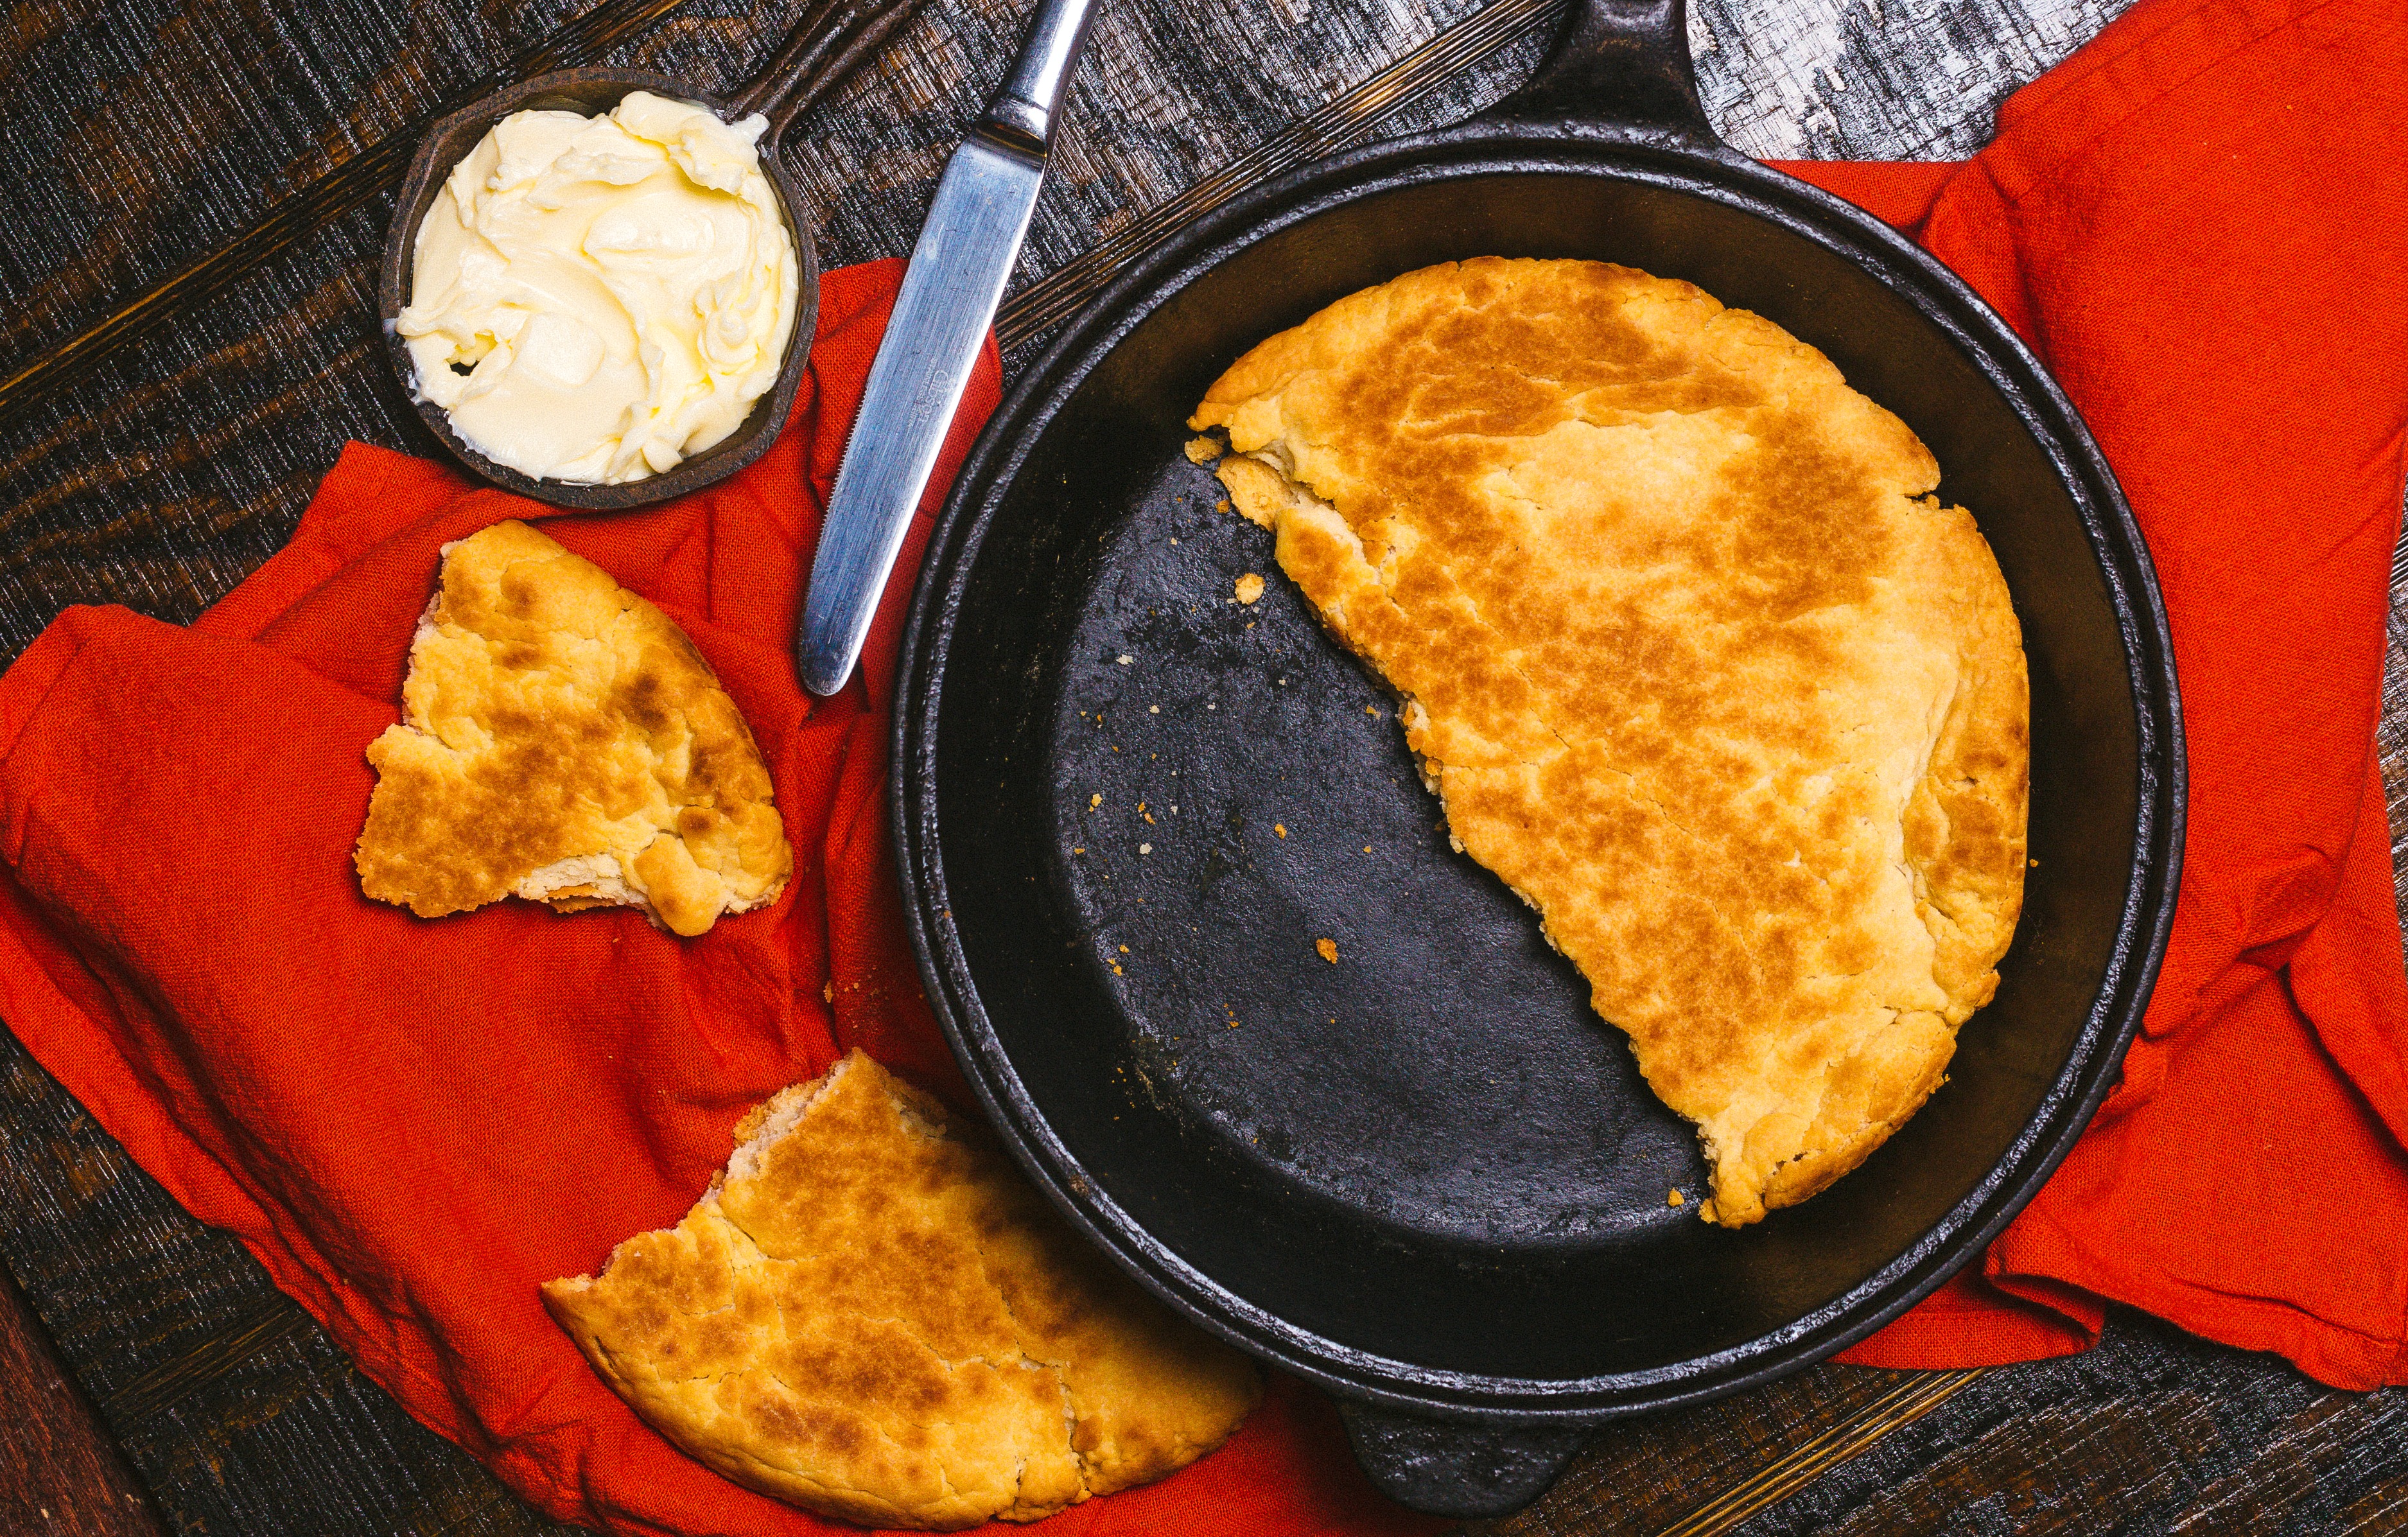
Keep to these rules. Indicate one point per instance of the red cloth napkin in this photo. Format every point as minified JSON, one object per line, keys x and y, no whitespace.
{"x":2199,"y":221}
{"x":412,"y":1123}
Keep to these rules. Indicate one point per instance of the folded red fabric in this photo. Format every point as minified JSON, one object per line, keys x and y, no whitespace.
{"x":2201,"y":223}
{"x":413,"y":1124}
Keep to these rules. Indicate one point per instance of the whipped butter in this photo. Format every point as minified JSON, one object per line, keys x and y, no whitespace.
{"x":594,"y":300}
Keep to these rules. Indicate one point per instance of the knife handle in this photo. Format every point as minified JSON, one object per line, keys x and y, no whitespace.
{"x":1023,"y":112}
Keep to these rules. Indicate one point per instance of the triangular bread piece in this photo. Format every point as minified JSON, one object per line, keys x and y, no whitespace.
{"x":1694,"y":661}
{"x":563,"y":741}
{"x":873,"y":1317}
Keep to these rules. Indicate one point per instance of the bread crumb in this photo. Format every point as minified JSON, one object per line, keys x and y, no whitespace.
{"x":1145,"y":848}
{"x":1221,"y":506}
{"x":1093,"y":801}
{"x":1674,"y":1199}
{"x":1370,"y":710}
{"x":1328,"y":949}
{"x":1124,"y":659}
{"x":1202,"y":451}
{"x":1250,"y":587}
{"x":1280,"y":828}
{"x":827,"y":992}
{"x":1153,"y":710}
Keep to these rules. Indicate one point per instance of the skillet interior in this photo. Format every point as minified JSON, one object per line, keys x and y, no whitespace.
{"x":1431,"y":1163}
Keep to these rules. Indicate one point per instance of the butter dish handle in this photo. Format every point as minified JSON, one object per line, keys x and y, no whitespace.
{"x":832,"y":38}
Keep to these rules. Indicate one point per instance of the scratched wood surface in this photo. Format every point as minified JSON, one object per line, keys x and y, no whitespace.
{"x":60,"y":1470}
{"x":143,"y":135}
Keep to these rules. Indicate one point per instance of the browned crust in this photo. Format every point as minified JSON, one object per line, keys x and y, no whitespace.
{"x":562,"y":740}
{"x":872,"y":1316}
{"x":1694,"y":660}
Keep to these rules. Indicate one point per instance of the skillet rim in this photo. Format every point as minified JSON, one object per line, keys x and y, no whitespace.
{"x":1686,"y":162}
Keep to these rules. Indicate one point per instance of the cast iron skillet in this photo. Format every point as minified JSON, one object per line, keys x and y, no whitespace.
{"x":1427,"y":1177}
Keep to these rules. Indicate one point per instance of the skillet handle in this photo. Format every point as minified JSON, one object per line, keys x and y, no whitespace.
{"x":1617,"y":64}
{"x":1462,"y":1470}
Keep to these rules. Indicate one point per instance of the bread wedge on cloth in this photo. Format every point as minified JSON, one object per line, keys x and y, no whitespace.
{"x":1694,"y":660}
{"x":563,"y":741}
{"x":872,"y":1315}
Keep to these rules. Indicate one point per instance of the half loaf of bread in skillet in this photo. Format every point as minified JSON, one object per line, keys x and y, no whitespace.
{"x":872,"y":1315}
{"x":561,"y":740}
{"x":1695,"y":661}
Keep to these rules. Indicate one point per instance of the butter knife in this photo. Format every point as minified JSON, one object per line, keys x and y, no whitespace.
{"x":959,"y":267}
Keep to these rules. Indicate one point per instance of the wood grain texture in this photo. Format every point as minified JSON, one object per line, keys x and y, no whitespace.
{"x":142,"y":134}
{"x":60,"y":1470}
{"x":371,"y":169}
{"x":2152,"y":1433}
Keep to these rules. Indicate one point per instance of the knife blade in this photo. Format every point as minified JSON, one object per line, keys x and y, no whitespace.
{"x":959,"y":267}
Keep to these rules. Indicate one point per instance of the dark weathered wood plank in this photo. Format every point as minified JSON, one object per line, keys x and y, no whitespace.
{"x":2153,"y":1432}
{"x":60,"y":1471}
{"x":1730,"y":1459}
{"x":1909,"y":1400}
{"x":364,"y":173}
{"x":2381,"y":1511}
{"x":2306,"y":1473}
{"x":144,"y":133}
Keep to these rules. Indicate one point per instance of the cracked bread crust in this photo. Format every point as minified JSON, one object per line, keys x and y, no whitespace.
{"x":872,"y":1316}
{"x":1694,"y":660}
{"x":563,"y":741}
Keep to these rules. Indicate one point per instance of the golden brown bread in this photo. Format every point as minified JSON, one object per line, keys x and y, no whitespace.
{"x":1695,"y":662}
{"x":873,"y":1317}
{"x":563,"y":741}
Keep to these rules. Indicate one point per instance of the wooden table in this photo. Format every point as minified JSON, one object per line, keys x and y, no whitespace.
{"x":145,"y":134}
